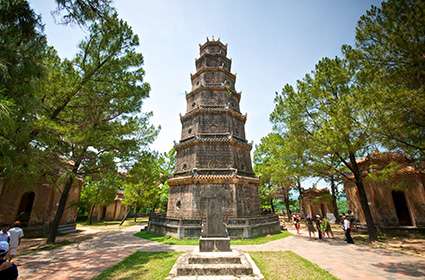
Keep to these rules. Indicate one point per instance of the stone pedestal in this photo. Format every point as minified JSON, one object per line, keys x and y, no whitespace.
{"x":232,"y":265}
{"x":214,"y":244}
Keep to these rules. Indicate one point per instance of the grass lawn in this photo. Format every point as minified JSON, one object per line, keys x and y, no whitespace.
{"x":288,"y":265}
{"x":157,"y":265}
{"x":141,"y":265}
{"x":164,"y":239}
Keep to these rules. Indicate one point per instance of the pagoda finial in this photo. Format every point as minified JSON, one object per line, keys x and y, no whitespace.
{"x":208,"y":39}
{"x":212,"y":38}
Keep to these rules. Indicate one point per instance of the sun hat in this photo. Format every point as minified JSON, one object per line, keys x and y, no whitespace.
{"x":4,"y":247}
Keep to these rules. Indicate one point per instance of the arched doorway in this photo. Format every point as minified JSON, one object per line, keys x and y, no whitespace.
{"x":25,"y":208}
{"x":401,"y":208}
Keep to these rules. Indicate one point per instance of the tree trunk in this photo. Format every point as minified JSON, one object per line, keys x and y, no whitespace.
{"x":300,"y":197}
{"x":91,"y":214}
{"x":334,"y":198}
{"x":135,"y":214}
{"x":271,"y":205}
{"x":61,"y":208}
{"x":286,"y":200}
{"x":371,"y":229}
{"x":51,"y":238}
{"x":125,"y":217}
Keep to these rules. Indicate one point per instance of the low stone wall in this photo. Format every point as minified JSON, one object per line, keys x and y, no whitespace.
{"x":43,"y":230}
{"x":237,"y":227}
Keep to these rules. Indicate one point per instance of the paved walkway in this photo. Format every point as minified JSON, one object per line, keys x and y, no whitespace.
{"x":87,"y":259}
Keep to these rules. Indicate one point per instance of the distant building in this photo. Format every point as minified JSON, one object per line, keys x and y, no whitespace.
{"x":398,"y":199}
{"x":317,"y":202}
{"x":111,"y":212}
{"x":35,"y":204}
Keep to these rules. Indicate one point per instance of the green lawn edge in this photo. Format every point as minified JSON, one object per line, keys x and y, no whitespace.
{"x":141,"y":265}
{"x":284,"y":265}
{"x":168,"y":240}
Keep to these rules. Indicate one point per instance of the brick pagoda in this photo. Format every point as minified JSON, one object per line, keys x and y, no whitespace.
{"x":213,"y":156}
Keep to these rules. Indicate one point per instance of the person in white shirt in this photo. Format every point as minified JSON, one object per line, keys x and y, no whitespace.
{"x":15,"y":233}
{"x":347,"y":230}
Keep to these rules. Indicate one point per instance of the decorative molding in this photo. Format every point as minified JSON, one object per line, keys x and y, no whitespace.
{"x":212,"y":179}
{"x":219,"y":138}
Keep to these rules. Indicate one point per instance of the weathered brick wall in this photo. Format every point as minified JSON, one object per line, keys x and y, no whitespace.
{"x":214,"y":155}
{"x":186,"y":158}
{"x":186,"y":201}
{"x":248,"y":204}
{"x":382,"y":207}
{"x":44,"y":205}
{"x":213,"y":78}
{"x":213,"y":60}
{"x":212,"y":97}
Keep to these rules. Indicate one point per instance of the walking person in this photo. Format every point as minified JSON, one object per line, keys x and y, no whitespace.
{"x":296,"y":220}
{"x":8,"y":270}
{"x":318,"y":225}
{"x":310,"y":227}
{"x":347,"y":230}
{"x":326,"y":228}
{"x":16,"y":233}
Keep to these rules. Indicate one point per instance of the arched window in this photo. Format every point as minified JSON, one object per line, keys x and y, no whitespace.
{"x":25,"y":207}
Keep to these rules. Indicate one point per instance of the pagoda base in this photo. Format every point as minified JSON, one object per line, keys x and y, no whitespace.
{"x":236,"y":227}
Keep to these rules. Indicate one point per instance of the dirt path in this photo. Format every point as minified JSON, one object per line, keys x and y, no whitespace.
{"x":88,"y":258}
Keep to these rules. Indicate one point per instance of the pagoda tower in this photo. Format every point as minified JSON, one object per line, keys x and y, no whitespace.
{"x":213,"y":156}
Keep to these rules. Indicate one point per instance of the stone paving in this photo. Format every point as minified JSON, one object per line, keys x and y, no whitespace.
{"x":90,"y":257}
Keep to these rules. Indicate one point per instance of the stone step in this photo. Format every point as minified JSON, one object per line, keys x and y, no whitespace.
{"x":214,"y":269}
{"x":218,"y":277}
{"x":214,"y":260}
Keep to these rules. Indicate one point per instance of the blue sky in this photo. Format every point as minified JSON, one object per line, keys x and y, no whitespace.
{"x":270,"y":42}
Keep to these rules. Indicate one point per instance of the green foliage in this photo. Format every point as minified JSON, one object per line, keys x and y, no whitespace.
{"x":82,"y":11}
{"x":99,"y":192}
{"x":342,"y":205}
{"x":23,"y":47}
{"x":278,"y":166}
{"x":390,"y":48}
{"x":146,"y":183}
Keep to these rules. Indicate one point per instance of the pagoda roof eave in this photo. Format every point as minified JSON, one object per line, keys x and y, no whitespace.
{"x":214,"y":109}
{"x":211,"y":69}
{"x":211,"y":179}
{"x":214,"y":88}
{"x":213,"y":138}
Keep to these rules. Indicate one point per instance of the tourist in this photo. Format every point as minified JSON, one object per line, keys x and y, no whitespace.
{"x":16,"y":233}
{"x":4,"y":235}
{"x":347,"y":230}
{"x":318,"y":224}
{"x":310,"y":227}
{"x":296,"y":220}
{"x":326,"y":228}
{"x":8,"y":270}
